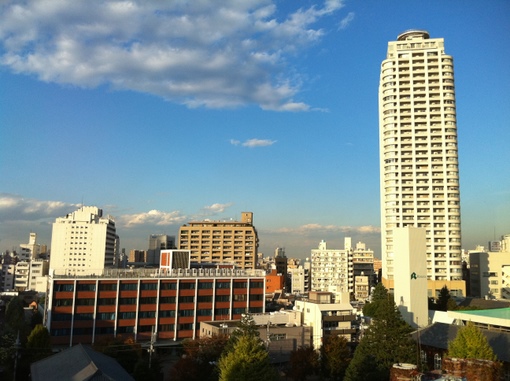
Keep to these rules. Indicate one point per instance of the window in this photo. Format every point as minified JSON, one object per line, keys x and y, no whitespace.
{"x":205,"y":285}
{"x":108,"y":287}
{"x":167,"y":313}
{"x":106,"y":301}
{"x":222,"y":284}
{"x":127,"y":315}
{"x":186,"y":299}
{"x":240,"y":284}
{"x":64,"y":287}
{"x":187,"y":286}
{"x":85,"y":302}
{"x":167,"y":299}
{"x":146,"y":314}
{"x":148,"y":300}
{"x":149,"y":286}
{"x":204,"y":298}
{"x":222,"y":298}
{"x":106,"y":316}
{"x":129,"y":286}
{"x":127,"y":300}
{"x":86,"y":287}
{"x":437,"y":361}
{"x":165,"y":327}
{"x":256,"y":284}
{"x":277,"y":336}
{"x":169,"y":286}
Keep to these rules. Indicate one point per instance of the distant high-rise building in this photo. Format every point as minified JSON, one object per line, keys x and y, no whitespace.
{"x":158,"y":242}
{"x":221,"y":241}
{"x":83,"y":242}
{"x":419,"y":156}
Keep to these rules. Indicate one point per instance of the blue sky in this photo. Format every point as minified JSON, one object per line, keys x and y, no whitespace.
{"x":206,"y":109}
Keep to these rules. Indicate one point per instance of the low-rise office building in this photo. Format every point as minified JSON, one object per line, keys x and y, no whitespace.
{"x":282,"y":332}
{"x":135,"y":303}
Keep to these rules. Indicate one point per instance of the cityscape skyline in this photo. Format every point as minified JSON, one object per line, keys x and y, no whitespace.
{"x":291,"y":137}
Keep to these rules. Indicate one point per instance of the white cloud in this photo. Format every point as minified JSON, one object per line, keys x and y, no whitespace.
{"x":152,"y":217}
{"x":217,"y":208}
{"x":201,"y":53}
{"x":346,"y":21}
{"x":16,"y":208}
{"x":251,"y":143}
{"x":318,"y":228}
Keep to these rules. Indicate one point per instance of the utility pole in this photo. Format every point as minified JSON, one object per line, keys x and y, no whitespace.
{"x":17,"y":346}
{"x":151,"y":348}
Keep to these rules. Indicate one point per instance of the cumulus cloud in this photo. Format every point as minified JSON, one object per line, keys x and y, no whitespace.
{"x":200,"y":53}
{"x":251,"y":143}
{"x":16,"y":208}
{"x":152,"y":217}
{"x":217,"y":208}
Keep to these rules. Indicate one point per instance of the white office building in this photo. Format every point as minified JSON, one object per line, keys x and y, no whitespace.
{"x":83,"y":242}
{"x":419,"y":156}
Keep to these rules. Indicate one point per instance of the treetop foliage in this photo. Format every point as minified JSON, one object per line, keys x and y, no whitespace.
{"x":470,"y":343}
{"x":248,"y":361}
{"x":385,"y":342}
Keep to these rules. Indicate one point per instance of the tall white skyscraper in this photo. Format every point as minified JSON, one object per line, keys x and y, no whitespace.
{"x":83,"y":242}
{"x":419,"y":157}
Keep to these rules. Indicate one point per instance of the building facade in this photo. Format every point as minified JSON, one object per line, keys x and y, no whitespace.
{"x":419,"y":155}
{"x":83,"y":242}
{"x":490,"y":274}
{"x":326,"y":317}
{"x":135,"y":303}
{"x":30,"y":250}
{"x":158,"y":242}
{"x":363,"y":266}
{"x":332,"y":268}
{"x":221,"y":241}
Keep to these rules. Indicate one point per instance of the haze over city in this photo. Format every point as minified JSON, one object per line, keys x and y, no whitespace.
{"x":162,"y":115}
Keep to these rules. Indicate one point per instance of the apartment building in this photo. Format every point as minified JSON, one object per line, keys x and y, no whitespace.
{"x":419,"y":156}
{"x":30,"y":250}
{"x":363,"y":267}
{"x":134,"y":303}
{"x":332,"y":268}
{"x":490,"y":271}
{"x":327,"y":316}
{"x":221,"y":241}
{"x":83,"y":242}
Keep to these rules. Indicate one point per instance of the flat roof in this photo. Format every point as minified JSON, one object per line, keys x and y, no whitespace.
{"x":500,"y":313}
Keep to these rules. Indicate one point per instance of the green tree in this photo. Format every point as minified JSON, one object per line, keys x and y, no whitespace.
{"x":379,"y":295}
{"x":38,"y":343}
{"x":35,"y":319}
{"x":470,"y":343}
{"x":248,"y":361}
{"x":303,"y":363}
{"x":442,"y":299}
{"x":335,"y":357}
{"x":385,"y":342}
{"x":15,"y":316}
{"x":246,"y":326}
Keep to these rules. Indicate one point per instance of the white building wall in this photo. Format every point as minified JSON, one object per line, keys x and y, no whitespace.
{"x":411,"y":275}
{"x":418,"y":152}
{"x":331,"y":269}
{"x":83,"y":242}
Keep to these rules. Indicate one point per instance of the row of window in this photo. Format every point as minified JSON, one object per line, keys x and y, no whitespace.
{"x":60,"y":287}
